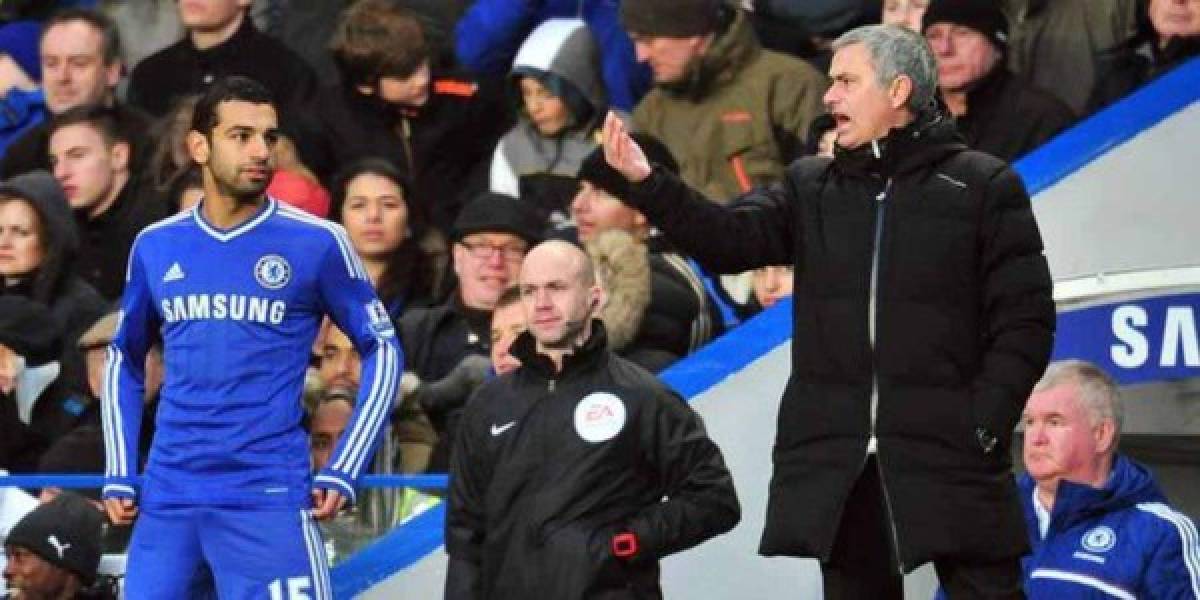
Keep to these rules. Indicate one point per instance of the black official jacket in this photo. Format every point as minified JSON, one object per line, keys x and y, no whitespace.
{"x":548,"y":466}
{"x":922,"y":317}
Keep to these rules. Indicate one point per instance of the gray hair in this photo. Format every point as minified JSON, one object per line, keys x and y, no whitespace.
{"x":1097,"y":390}
{"x":897,"y":51}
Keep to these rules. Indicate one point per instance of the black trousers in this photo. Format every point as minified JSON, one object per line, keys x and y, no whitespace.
{"x":863,"y":565}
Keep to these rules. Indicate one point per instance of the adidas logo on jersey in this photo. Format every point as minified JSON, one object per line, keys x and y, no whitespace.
{"x":175,"y":273}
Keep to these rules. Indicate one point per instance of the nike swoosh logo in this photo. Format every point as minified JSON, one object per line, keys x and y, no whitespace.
{"x":499,"y":429}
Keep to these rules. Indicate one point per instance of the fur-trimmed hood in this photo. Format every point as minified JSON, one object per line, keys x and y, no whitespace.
{"x":623,"y":268}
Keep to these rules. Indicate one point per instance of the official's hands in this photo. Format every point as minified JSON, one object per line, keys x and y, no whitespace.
{"x":327,"y":503}
{"x":622,"y":153}
{"x":121,"y":511}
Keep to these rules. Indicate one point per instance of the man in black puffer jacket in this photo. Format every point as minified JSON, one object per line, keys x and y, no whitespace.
{"x":922,"y":318}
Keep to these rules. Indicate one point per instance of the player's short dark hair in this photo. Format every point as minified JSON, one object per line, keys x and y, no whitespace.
{"x":97,"y":20}
{"x":227,"y":89}
{"x":101,"y":118}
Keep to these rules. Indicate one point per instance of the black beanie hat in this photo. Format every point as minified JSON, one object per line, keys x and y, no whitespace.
{"x":983,"y":16}
{"x":491,"y":212}
{"x":671,"y":18}
{"x":65,"y":532}
{"x":29,"y":329}
{"x":595,"y":169}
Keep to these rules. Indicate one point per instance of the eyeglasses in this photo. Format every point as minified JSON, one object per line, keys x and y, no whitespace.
{"x":484,"y":251}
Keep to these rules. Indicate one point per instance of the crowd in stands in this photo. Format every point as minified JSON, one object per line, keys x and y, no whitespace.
{"x":449,"y":138}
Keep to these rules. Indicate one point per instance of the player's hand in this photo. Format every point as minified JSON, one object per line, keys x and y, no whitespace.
{"x":327,"y":503}
{"x":121,"y":511}
{"x":621,"y":152}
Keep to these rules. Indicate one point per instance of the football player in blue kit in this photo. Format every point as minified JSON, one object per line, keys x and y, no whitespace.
{"x":235,"y":289}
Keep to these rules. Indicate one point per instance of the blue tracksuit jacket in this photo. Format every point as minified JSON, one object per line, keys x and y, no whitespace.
{"x":1120,"y":541}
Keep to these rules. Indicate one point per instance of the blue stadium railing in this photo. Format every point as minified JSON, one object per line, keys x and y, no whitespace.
{"x":41,"y":480}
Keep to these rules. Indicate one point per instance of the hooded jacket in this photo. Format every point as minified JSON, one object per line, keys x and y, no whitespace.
{"x":657,"y":310}
{"x":491,"y":31}
{"x":1118,"y":541}
{"x":72,"y":302}
{"x":548,"y":465}
{"x":922,"y":316}
{"x":739,"y":118}
{"x":561,"y":50}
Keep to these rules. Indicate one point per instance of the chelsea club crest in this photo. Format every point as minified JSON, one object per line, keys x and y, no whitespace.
{"x":272,"y":272}
{"x":1100,"y":539}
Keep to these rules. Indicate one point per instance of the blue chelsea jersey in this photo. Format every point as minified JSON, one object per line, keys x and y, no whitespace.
{"x":237,"y":312}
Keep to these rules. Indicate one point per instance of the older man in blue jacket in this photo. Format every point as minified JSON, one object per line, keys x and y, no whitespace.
{"x":1098,"y":523}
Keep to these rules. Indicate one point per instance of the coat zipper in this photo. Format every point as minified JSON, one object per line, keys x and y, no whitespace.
{"x":880,"y":212}
{"x":872,"y":315}
{"x":406,"y":140}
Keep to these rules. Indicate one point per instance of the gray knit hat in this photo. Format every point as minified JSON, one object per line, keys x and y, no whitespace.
{"x":671,"y":18}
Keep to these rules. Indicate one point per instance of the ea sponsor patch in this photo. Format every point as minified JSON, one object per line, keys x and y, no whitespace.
{"x":1099,"y":539}
{"x":380,"y":321}
{"x":272,"y":271}
{"x":599,"y":417}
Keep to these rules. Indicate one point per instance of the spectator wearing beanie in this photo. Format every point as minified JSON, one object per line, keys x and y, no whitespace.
{"x":41,"y":267}
{"x":658,"y":309}
{"x":220,"y":41}
{"x":446,"y":347}
{"x":562,"y":105}
{"x":733,"y":114}
{"x":437,"y":128}
{"x":55,"y":550}
{"x":996,"y":111}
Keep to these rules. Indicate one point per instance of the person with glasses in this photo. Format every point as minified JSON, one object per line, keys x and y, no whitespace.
{"x":448,"y":345}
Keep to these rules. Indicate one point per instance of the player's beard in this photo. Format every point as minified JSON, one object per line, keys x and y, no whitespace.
{"x":246,"y":192}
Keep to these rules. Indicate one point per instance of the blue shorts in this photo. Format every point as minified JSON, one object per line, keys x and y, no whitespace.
{"x":190,"y":552}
